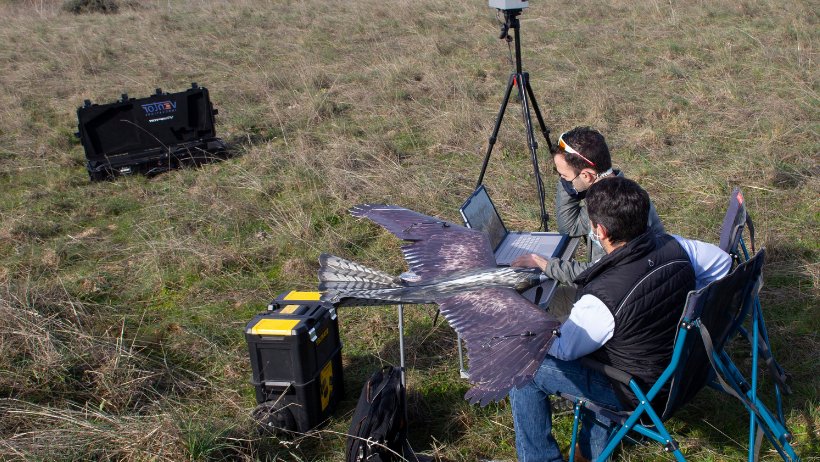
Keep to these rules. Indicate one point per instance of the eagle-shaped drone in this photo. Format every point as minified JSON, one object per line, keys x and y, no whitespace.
{"x":506,"y":335}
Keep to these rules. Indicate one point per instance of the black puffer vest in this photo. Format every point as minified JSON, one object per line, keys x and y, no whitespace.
{"x":644,"y":284}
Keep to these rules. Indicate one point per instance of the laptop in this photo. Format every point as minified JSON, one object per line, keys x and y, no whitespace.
{"x":480,"y":213}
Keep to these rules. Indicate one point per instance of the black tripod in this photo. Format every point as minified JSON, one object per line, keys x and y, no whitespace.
{"x":521,"y":80}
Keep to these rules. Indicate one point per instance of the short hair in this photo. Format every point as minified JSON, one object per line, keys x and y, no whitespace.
{"x":620,"y":205}
{"x":591,"y":144}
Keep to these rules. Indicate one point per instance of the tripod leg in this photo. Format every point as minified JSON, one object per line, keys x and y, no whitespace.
{"x":401,"y":342}
{"x":523,"y":84}
{"x":461,"y":371}
{"x":544,"y":130}
{"x":494,"y":136}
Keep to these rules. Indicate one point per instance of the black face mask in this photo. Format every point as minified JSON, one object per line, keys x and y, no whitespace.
{"x":570,"y":189}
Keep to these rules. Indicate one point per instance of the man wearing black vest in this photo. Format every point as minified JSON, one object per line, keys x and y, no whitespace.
{"x":626,"y":316}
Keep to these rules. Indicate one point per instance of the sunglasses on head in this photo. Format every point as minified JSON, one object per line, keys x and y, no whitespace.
{"x":567,"y":148}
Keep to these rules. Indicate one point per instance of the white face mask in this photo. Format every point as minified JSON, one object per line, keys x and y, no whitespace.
{"x":593,"y":236}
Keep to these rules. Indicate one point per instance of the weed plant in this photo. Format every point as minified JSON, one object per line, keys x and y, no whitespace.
{"x":123,"y":303}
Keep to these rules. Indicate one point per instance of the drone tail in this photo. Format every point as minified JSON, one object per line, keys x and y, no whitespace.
{"x":351,"y":283}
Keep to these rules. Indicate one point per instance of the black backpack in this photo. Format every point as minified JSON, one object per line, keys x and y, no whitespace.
{"x":378,"y":431}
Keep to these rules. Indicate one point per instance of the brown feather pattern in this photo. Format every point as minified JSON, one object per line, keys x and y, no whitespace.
{"x":506,"y":335}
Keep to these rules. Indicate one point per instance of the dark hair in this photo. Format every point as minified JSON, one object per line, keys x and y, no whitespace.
{"x":591,"y":144}
{"x":620,"y":205}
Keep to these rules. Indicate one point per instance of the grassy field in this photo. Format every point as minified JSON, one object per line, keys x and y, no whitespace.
{"x":122,"y":304}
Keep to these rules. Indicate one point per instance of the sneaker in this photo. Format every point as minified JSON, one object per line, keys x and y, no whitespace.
{"x":562,"y":406}
{"x":578,"y":456}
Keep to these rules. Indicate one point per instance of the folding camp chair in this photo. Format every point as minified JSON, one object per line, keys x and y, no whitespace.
{"x":760,"y":423}
{"x":715,"y":310}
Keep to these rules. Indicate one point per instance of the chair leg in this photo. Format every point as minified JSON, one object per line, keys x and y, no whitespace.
{"x":760,"y":416}
{"x":573,"y":444}
{"x":661,"y":434}
{"x":774,"y":430}
{"x":671,"y":445}
{"x":753,"y":447}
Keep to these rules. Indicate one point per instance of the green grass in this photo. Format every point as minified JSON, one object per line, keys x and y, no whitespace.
{"x":123,"y":303}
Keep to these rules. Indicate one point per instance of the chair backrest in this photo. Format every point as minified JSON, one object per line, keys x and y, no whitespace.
{"x":720,"y":307}
{"x":734,"y":221}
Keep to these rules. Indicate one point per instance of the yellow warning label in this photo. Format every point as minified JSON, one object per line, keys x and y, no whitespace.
{"x":290,"y":309}
{"x":322,"y":336}
{"x":326,"y":383}
{"x":308,"y":296}
{"x":274,"y":326}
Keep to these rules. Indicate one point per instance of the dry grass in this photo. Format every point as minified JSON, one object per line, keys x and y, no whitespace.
{"x":122,"y":303}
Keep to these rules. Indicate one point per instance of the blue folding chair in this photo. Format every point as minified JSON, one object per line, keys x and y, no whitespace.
{"x":761,"y":421}
{"x":715,"y":311}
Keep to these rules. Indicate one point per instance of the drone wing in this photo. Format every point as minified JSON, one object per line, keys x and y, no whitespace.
{"x":507,"y":338}
{"x":397,"y":220}
{"x":436,"y":247}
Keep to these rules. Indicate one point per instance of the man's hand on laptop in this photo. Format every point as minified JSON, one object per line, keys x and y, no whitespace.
{"x":530,"y":260}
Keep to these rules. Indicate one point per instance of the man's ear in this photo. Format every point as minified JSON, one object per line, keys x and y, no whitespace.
{"x":591,"y":175}
{"x":604,"y":233}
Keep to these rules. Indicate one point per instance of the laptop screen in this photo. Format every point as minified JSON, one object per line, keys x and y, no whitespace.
{"x":480,"y":213}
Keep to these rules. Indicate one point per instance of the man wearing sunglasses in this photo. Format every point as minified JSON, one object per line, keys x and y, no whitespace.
{"x":581,"y":160}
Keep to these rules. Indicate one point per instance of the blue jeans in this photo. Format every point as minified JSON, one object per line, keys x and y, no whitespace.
{"x":532,"y":414}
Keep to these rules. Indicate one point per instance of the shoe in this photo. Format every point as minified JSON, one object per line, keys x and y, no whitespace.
{"x":562,"y":406}
{"x":578,"y":456}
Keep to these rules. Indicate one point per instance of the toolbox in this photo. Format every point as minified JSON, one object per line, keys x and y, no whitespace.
{"x":296,"y":361}
{"x":149,"y":135}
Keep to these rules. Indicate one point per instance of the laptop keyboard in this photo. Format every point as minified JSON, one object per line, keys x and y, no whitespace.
{"x":522,"y":244}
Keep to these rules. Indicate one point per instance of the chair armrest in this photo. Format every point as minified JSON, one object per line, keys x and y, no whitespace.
{"x":609,"y":371}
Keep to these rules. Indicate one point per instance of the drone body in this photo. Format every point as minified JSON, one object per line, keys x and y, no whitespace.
{"x":506,"y":335}
{"x":348,"y":283}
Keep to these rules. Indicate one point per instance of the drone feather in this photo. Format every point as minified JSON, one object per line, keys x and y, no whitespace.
{"x":506,"y":335}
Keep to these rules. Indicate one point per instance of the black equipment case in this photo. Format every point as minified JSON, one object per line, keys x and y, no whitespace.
{"x":296,"y":359}
{"x":149,"y":135}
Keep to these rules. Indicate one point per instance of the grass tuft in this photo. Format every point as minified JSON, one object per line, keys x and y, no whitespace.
{"x":123,"y":303}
